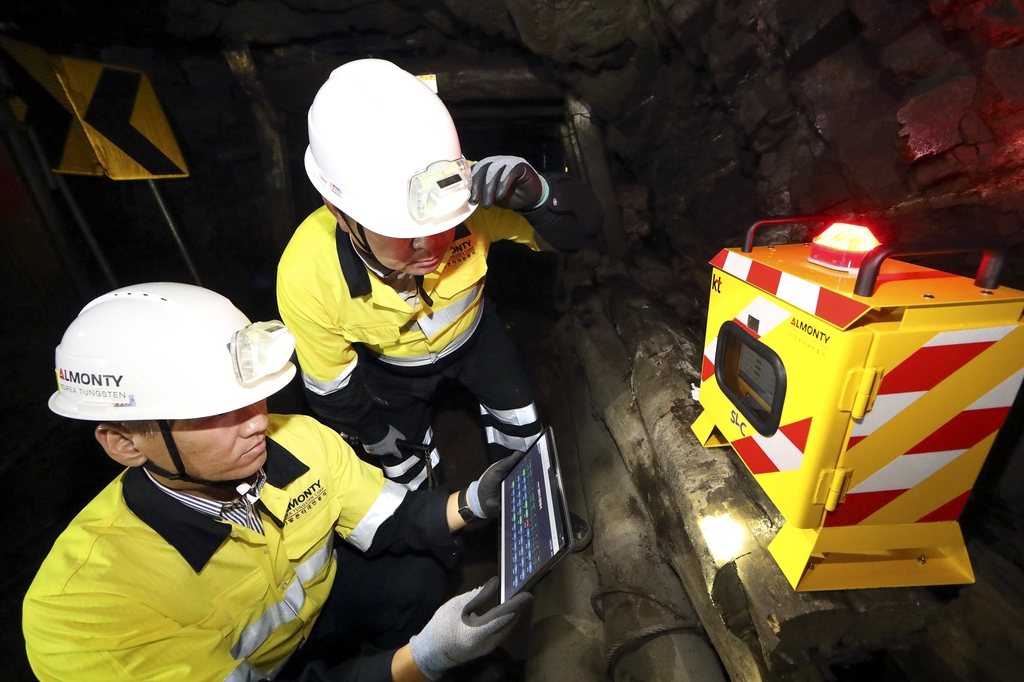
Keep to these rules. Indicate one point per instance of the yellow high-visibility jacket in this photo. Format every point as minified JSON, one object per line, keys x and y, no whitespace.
{"x":140,"y":587}
{"x":330,"y":300}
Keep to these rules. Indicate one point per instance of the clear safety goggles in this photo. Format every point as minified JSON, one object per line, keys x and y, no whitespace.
{"x":261,"y":349}
{"x":440,"y":189}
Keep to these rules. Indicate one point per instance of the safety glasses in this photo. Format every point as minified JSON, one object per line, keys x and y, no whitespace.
{"x":440,"y":189}
{"x":261,"y":349}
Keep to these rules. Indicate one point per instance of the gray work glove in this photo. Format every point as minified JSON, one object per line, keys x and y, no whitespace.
{"x":387,"y":445}
{"x":456,"y":635}
{"x":508,"y":182}
{"x":484,"y":494}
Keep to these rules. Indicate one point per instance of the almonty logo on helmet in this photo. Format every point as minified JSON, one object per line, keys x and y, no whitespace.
{"x":87,"y":379}
{"x":90,"y":385}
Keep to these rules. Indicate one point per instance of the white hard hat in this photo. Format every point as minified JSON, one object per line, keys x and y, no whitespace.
{"x":167,"y":351}
{"x":384,"y":150}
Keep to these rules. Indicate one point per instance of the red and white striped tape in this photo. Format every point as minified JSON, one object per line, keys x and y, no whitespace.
{"x":825,"y":304}
{"x":782,"y":451}
{"x":980,"y":420}
{"x":923,"y":370}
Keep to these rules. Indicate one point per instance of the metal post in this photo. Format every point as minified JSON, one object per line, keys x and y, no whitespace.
{"x":174,"y":231}
{"x":83,"y":225}
{"x":56,"y":181}
{"x":35,"y":178}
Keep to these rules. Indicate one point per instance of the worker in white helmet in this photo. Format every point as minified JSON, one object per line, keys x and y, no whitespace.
{"x":383,"y":286}
{"x":239,"y":545}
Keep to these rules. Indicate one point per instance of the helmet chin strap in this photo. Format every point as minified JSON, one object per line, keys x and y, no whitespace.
{"x":181,"y":474}
{"x":358,"y":235}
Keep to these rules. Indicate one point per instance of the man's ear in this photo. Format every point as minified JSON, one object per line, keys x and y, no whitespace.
{"x":119,"y":445}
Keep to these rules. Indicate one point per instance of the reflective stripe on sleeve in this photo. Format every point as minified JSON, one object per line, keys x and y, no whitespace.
{"x":383,"y":507}
{"x":521,"y":416}
{"x":510,"y":442}
{"x":326,"y":387}
{"x":285,"y":610}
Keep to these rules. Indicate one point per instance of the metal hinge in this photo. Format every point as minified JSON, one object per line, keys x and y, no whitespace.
{"x":837,"y":488}
{"x":860,"y":388}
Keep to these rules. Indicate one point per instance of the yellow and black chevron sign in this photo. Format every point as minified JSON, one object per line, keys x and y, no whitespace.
{"x":92,"y":118}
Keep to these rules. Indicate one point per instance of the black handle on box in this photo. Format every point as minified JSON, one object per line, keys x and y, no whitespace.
{"x":748,"y":241}
{"x":988,"y":271}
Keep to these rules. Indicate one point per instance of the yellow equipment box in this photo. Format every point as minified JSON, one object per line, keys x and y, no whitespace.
{"x":864,"y":404}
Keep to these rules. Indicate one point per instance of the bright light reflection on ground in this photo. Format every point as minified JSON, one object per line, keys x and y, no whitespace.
{"x":724,"y":536}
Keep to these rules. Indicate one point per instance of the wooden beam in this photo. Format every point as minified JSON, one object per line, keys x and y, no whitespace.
{"x":586,"y":143}
{"x":644,"y":398}
{"x":293,"y":84}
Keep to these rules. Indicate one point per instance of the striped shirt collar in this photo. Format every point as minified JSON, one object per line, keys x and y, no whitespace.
{"x":241,"y":511}
{"x":195,"y":536}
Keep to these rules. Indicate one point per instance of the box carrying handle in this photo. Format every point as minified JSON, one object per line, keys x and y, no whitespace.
{"x":748,"y":241}
{"x":988,"y":272}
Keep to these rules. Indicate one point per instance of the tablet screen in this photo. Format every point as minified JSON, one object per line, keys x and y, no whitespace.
{"x":534,"y":518}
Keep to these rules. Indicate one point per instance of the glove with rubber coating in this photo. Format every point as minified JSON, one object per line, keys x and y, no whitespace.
{"x":455,"y":634}
{"x":507,"y":182}
{"x":387,"y":445}
{"x":484,"y":494}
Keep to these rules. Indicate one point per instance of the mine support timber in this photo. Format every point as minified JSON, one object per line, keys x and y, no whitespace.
{"x":640,"y":364}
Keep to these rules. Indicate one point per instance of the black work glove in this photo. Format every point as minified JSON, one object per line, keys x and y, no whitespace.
{"x":484,"y":494}
{"x":455,"y":634}
{"x":507,"y":182}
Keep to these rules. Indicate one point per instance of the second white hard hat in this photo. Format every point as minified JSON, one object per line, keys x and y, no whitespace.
{"x":384,"y":150}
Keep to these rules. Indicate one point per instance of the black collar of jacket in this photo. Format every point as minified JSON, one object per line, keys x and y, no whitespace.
{"x":357,"y":275}
{"x":197,"y":536}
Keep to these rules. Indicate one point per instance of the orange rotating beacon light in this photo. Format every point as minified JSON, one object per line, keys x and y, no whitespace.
{"x":863,"y":394}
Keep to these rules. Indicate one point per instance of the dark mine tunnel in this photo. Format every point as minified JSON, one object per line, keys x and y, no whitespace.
{"x":791,"y":472}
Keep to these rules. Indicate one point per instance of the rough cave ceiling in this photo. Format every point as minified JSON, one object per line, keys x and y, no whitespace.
{"x":715,"y":112}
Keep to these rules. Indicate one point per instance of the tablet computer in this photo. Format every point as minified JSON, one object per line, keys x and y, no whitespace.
{"x":535,"y":526}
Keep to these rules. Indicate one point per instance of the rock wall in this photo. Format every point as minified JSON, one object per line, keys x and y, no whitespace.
{"x":715,"y":112}
{"x":718,"y":112}
{"x":903,"y":113}
{"x":906,"y":113}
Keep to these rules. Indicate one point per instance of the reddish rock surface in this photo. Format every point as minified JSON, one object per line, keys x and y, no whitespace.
{"x":931,"y":121}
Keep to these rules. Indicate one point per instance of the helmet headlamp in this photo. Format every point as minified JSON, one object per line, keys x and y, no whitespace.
{"x":440,"y":189}
{"x":260,"y":349}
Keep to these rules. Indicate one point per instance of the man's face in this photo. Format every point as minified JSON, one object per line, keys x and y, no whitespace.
{"x":224,"y":447}
{"x":419,"y":256}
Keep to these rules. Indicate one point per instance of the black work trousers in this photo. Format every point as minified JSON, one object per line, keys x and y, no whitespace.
{"x":487,"y":366}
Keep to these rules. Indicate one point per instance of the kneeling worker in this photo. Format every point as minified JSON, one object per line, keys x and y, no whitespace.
{"x":214,"y":555}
